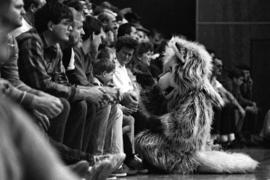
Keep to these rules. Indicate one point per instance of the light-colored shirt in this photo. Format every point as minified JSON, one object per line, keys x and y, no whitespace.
{"x":22,"y":29}
{"x":122,"y":79}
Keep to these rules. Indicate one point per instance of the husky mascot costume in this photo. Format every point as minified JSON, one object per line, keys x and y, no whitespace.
{"x":177,"y":140}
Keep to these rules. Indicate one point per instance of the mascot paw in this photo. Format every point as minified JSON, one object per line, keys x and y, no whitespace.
{"x":155,"y":124}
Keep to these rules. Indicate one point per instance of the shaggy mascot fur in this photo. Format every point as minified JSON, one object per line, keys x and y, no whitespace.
{"x":177,"y":141}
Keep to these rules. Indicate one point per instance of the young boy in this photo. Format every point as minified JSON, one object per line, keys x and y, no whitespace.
{"x":104,"y":68}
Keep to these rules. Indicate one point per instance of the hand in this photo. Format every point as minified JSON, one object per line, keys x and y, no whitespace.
{"x":128,"y":111}
{"x":95,"y":94}
{"x":242,"y":112}
{"x":130,"y":100}
{"x":48,"y":105}
{"x":252,"y":109}
{"x":42,"y":120}
{"x":111,"y":93}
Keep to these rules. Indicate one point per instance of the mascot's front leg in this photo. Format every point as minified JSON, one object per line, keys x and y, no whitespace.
{"x":160,"y":153}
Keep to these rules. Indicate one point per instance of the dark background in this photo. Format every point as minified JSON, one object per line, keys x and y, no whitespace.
{"x":167,"y":16}
{"x":237,"y":30}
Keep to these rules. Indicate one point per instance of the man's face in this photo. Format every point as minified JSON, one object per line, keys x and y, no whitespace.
{"x":238,"y":81}
{"x":97,"y":39}
{"x":246,"y":74}
{"x":142,"y":37}
{"x":15,"y":13}
{"x":62,"y":30}
{"x":112,"y":23}
{"x":124,"y":55}
{"x":133,"y":33}
{"x":218,"y":65}
{"x":77,"y":33}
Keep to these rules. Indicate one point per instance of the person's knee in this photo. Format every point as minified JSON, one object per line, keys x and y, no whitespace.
{"x":78,"y":111}
{"x":66,"y":106}
{"x":115,"y":109}
{"x":80,"y":107}
{"x":128,"y":120}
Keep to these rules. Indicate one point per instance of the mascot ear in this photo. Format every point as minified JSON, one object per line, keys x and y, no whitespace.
{"x":179,"y":52}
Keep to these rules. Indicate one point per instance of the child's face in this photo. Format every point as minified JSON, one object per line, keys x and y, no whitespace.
{"x":107,"y":77}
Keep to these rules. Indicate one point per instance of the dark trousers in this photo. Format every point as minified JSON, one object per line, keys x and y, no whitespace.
{"x":91,"y":115}
{"x":228,"y":121}
{"x":74,"y":131}
{"x":58,"y":124}
{"x":224,"y":121}
{"x":67,"y":154}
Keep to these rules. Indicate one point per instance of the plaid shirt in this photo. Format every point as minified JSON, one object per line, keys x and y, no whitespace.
{"x":40,"y":65}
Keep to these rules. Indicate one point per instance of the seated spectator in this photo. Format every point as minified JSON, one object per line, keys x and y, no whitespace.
{"x":105,"y":135}
{"x":49,"y":112}
{"x":104,"y":70}
{"x":127,"y":29}
{"x":142,"y":33}
{"x":224,"y":127}
{"x":140,"y":65}
{"x":108,"y":19}
{"x":104,"y":67}
{"x":251,"y":109}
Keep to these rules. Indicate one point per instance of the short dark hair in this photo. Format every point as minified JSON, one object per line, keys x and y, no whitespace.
{"x":126,"y":41}
{"x":235,"y":73}
{"x":52,"y":11}
{"x":76,"y":4}
{"x":243,"y":67}
{"x":27,"y":3}
{"x":143,"y":48}
{"x":104,"y":18}
{"x":104,"y":64}
{"x":91,"y":25}
{"x":124,"y":29}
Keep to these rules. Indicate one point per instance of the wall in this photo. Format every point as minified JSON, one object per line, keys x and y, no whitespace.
{"x":239,"y":32}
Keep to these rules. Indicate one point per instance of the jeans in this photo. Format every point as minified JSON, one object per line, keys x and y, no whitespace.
{"x":106,"y":131}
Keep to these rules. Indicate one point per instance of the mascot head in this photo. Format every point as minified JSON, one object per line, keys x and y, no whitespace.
{"x":187,"y":68}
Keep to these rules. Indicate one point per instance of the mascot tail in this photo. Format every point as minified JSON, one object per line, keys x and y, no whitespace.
{"x":225,"y":162}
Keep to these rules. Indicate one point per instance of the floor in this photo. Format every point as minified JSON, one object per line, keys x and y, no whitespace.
{"x":262,"y":172}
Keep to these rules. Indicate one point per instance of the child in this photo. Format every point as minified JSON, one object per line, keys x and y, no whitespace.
{"x":104,"y":69}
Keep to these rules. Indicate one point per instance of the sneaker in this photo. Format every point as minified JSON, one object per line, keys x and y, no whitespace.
{"x":120,"y":172}
{"x":115,"y":159}
{"x":111,"y":177}
{"x":80,"y":168}
{"x":135,"y":163}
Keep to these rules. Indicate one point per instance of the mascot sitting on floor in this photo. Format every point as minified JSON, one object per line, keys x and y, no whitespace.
{"x":177,"y":141}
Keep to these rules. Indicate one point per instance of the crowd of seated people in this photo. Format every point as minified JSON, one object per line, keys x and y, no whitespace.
{"x":76,"y":69}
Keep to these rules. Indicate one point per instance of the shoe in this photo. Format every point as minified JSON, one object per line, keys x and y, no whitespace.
{"x":135,"y":163}
{"x":80,"y":168}
{"x":111,"y":177}
{"x":115,"y":159}
{"x":120,"y":172}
